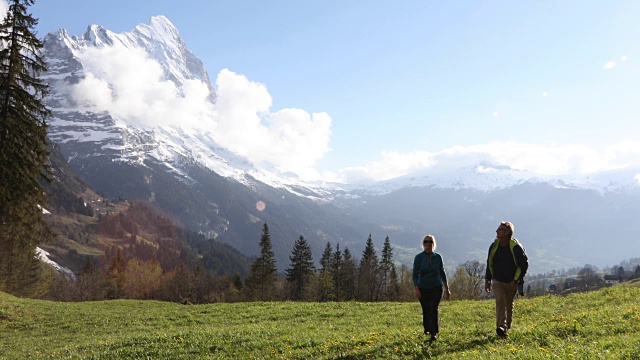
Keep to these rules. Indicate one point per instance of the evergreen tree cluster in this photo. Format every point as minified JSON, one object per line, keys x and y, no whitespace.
{"x":189,"y":271}
{"x":340,"y":277}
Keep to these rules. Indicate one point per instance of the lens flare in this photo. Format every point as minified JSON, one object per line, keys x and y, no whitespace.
{"x":260,"y":205}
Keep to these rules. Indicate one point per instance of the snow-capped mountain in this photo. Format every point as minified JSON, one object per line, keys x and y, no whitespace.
{"x":86,"y":127}
{"x":159,"y":144}
{"x":87,"y":124}
{"x":159,"y":40}
{"x":482,"y":177}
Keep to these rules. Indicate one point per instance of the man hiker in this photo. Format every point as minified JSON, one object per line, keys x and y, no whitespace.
{"x":507,"y":264}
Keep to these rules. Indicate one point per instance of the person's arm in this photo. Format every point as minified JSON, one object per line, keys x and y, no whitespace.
{"x":416,"y":278}
{"x":522,"y":260}
{"x":487,"y":274}
{"x":443,"y":276}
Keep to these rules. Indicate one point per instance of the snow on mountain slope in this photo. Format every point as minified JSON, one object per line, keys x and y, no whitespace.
{"x":626,"y":180}
{"x":481,"y":177}
{"x":486,"y":177}
{"x":94,"y":115}
{"x":44,"y":257}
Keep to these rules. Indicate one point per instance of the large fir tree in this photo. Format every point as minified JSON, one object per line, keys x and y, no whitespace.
{"x":262,"y":278}
{"x":23,"y":152}
{"x":325,"y":260}
{"x":325,"y":290}
{"x":369,"y":274}
{"x":336,"y":272}
{"x":301,"y":268}
{"x":349,"y":275}
{"x":389,"y":276}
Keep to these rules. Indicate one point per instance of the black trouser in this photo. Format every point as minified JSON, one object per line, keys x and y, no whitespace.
{"x":430,"y":301}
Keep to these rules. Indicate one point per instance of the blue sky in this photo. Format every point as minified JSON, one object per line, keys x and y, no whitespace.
{"x":552,"y":87}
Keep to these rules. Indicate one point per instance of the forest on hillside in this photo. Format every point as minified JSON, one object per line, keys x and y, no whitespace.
{"x":147,"y":256}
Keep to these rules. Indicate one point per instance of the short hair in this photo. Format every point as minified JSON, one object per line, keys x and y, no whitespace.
{"x":509,"y":225}
{"x":433,"y":238}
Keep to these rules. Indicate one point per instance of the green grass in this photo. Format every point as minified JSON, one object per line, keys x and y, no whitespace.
{"x":604,"y":324}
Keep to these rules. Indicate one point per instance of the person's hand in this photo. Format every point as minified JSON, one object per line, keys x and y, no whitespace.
{"x":487,"y":286}
{"x":418,"y":296}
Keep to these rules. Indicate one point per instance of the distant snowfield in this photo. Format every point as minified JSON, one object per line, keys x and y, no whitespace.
{"x":44,"y":257}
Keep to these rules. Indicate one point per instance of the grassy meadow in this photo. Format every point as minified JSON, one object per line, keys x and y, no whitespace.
{"x":603,"y":324}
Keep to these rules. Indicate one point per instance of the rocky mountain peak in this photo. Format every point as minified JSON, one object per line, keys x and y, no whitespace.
{"x":98,"y":36}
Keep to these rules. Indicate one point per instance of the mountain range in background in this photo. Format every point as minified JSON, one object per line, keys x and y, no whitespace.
{"x":563,"y":221}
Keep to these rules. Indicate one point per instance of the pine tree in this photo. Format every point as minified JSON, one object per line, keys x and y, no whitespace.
{"x":369,"y":274}
{"x":336,"y":272}
{"x":325,"y":287}
{"x":393,"y":293}
{"x":262,"y":275}
{"x":349,"y":275}
{"x":301,"y":268}
{"x":325,"y":260}
{"x":389,"y":277}
{"x":23,"y":151}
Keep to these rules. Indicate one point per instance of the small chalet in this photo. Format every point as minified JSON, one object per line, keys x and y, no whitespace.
{"x":612,"y":279}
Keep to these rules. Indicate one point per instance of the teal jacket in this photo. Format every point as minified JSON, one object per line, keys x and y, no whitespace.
{"x":428,"y":271}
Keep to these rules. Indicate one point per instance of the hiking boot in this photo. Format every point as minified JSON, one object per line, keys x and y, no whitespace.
{"x":501,"y":331}
{"x":434,"y":337}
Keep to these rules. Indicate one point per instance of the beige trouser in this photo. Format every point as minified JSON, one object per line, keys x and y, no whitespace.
{"x":504,"y":293}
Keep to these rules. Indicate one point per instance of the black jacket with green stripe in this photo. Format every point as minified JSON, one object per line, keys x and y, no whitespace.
{"x":519,"y":258}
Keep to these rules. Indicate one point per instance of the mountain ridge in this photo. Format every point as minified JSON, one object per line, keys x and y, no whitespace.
{"x":161,"y":41}
{"x":180,"y":166}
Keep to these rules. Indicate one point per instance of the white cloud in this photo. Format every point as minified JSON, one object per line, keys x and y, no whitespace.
{"x":130,"y":86}
{"x":291,"y":139}
{"x":543,"y":159}
{"x":393,"y":164}
{"x":610,"y":65}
